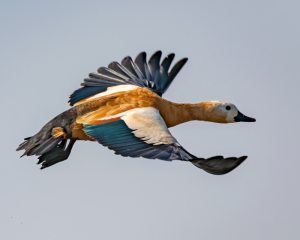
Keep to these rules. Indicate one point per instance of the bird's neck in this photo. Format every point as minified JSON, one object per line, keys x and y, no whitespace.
{"x":177,"y":113}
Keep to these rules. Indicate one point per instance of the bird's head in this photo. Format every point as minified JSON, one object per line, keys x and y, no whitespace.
{"x":223,"y":112}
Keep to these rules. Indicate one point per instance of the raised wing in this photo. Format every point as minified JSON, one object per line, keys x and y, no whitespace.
{"x":142,"y":132}
{"x":154,"y":76}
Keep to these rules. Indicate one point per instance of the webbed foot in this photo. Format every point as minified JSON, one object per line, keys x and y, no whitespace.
{"x":57,"y":154}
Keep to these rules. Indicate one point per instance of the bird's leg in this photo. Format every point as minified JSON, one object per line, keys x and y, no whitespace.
{"x":57,"y":154}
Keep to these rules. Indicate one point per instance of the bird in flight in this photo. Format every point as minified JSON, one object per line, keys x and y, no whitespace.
{"x":122,"y":108}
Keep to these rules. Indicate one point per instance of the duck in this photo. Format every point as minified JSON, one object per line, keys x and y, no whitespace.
{"x":122,"y":108}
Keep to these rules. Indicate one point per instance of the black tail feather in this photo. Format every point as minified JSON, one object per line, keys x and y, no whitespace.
{"x":22,"y":146}
{"x":44,"y":147}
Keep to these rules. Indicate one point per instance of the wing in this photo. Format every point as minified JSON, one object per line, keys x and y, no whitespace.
{"x":142,"y":132}
{"x":138,"y":132}
{"x":154,"y":76}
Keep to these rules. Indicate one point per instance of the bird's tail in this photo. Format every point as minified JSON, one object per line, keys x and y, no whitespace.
{"x":48,"y":145}
{"x":35,"y":146}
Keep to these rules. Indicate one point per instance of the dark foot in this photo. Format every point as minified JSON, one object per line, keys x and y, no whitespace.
{"x":218,"y":165}
{"x":57,"y":154}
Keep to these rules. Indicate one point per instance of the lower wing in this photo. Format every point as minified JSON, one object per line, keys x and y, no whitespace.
{"x":142,"y":132}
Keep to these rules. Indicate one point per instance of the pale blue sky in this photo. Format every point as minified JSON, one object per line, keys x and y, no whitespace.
{"x":244,"y":52}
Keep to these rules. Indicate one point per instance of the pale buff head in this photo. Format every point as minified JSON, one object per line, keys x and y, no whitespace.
{"x":223,"y":112}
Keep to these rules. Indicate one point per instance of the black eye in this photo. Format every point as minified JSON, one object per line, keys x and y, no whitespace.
{"x":228,"y":108}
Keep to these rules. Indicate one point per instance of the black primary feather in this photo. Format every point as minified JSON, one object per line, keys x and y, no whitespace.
{"x":154,"y":76}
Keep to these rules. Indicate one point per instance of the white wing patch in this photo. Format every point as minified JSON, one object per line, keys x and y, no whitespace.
{"x":111,"y":90}
{"x":147,"y":124}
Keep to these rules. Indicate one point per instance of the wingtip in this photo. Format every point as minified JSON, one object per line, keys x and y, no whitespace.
{"x":141,"y":54}
{"x":155,"y":55}
{"x":218,"y":165}
{"x":184,"y":60}
{"x":125,"y":59}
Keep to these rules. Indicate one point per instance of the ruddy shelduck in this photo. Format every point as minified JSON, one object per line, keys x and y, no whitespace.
{"x":122,"y":108}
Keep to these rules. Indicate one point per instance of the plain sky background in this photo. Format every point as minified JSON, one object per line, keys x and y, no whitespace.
{"x":244,"y":52}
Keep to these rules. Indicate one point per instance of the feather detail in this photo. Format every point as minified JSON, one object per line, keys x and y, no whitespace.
{"x":58,"y":132}
{"x":153,"y":76}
